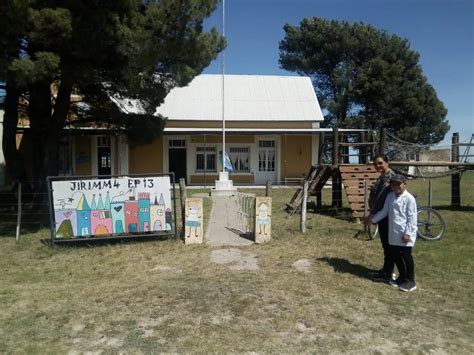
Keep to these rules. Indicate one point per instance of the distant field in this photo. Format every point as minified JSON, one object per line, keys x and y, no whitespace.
{"x":162,"y":296}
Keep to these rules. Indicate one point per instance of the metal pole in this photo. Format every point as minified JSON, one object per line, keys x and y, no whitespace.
{"x":205,"y":167}
{"x":174,"y":207}
{"x":430,"y":193}
{"x":182,"y":195}
{"x":223,"y":89}
{"x":455,"y":178}
{"x":18,"y":221}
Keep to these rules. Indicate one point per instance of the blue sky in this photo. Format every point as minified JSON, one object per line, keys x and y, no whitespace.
{"x":440,"y":30}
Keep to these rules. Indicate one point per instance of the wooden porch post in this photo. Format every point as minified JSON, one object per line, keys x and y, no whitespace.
{"x":456,"y":178}
{"x":336,"y":177}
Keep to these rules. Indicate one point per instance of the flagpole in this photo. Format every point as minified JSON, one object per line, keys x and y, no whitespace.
{"x":223,"y":89}
{"x":224,"y":186}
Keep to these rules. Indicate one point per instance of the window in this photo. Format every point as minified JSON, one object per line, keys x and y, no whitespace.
{"x":205,"y":159}
{"x":266,"y":144}
{"x":240,"y":158}
{"x":177,"y":143}
{"x":266,"y":156}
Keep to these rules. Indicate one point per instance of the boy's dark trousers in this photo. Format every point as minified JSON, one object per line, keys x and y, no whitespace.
{"x":404,"y":261}
{"x":388,"y":261}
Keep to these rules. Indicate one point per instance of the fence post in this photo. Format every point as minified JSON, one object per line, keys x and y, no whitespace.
{"x":18,"y":221}
{"x":383,"y":141}
{"x":303,"y":207}
{"x":183,"y":195}
{"x":363,"y":149}
{"x":335,"y":146}
{"x":456,"y":178}
{"x":268,"y":189}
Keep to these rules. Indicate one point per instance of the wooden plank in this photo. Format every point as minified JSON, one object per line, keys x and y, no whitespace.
{"x":354,"y":176}
{"x":357,"y":214}
{"x":357,"y":206}
{"x":356,"y":168}
{"x":354,"y":183}
{"x":354,"y":191}
{"x":355,"y":198}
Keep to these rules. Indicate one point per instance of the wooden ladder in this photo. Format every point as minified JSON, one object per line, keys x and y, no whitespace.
{"x":317,"y":178}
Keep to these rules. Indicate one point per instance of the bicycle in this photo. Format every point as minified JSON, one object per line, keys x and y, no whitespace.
{"x":431,"y":225}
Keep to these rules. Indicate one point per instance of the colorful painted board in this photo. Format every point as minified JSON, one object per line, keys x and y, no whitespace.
{"x":263,"y":219}
{"x":86,"y":208}
{"x":193,"y":226}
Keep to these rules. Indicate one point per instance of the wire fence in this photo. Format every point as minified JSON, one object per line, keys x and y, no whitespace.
{"x":23,"y":210}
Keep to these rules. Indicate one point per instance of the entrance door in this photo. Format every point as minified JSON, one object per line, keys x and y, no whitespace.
{"x":177,"y":158}
{"x":104,"y":156}
{"x":266,"y":162}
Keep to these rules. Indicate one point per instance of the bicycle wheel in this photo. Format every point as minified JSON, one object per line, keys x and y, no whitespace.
{"x":372,"y":231}
{"x":431,"y":225}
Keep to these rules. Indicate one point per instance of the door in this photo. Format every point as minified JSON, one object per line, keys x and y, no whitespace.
{"x":266,"y":162}
{"x":104,"y":156}
{"x":103,"y":161}
{"x":177,"y":158}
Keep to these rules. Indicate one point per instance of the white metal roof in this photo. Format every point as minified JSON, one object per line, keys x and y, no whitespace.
{"x":247,"y":98}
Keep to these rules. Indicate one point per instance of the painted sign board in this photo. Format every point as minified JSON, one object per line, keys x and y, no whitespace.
{"x":111,"y":207}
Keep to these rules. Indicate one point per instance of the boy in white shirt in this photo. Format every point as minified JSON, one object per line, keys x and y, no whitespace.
{"x":400,"y":207}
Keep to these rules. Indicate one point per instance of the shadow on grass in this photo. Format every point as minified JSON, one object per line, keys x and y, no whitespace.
{"x":343,"y":214}
{"x":454,"y":209}
{"x":241,"y":234}
{"x":96,"y":242}
{"x":345,"y":266}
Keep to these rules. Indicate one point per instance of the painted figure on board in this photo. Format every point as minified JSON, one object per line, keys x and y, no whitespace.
{"x":263,"y":217}
{"x":193,"y":220}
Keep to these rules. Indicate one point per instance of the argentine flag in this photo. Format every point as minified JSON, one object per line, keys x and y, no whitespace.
{"x":227,"y":163}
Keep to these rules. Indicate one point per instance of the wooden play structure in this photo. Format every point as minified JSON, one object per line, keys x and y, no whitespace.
{"x":356,"y":179}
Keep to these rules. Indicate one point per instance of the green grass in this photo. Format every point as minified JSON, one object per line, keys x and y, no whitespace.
{"x":113,"y":298}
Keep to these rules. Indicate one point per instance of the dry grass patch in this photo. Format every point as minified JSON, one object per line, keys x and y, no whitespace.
{"x":162,"y":296}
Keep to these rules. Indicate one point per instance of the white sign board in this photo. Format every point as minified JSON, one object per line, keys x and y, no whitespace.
{"x":86,"y":208}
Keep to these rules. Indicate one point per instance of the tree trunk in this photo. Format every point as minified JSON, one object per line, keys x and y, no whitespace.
{"x":46,"y":126}
{"x":40,"y":122}
{"x":13,"y":161}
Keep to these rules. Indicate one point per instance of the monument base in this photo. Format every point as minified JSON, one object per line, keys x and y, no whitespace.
{"x":224,"y":186}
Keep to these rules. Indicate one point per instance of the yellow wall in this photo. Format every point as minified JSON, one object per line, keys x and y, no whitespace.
{"x":210,"y":179}
{"x":83,"y":155}
{"x":295,"y":156}
{"x":147,"y":158}
{"x":218,"y":139}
